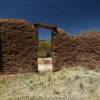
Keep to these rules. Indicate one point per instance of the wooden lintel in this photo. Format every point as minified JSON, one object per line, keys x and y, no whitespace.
{"x":46,"y":26}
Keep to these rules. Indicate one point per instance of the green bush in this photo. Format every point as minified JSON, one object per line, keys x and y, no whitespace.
{"x":44,"y":49}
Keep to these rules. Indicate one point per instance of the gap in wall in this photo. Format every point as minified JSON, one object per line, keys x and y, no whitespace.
{"x":44,"y":50}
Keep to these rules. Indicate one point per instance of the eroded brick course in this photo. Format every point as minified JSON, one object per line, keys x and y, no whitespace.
{"x":18,"y":46}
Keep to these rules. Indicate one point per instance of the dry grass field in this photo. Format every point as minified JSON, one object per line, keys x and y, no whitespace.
{"x":77,"y":83}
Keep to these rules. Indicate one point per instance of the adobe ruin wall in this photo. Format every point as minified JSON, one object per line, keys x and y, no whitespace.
{"x":19,"y":47}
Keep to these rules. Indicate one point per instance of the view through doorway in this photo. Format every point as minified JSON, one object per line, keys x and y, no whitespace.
{"x":44,"y":50}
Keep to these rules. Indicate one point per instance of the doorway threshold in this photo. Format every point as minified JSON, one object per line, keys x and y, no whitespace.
{"x":45,"y":64}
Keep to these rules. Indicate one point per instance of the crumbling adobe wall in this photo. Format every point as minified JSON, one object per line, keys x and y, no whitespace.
{"x":83,"y":49}
{"x":18,"y":46}
{"x":59,"y":40}
{"x":88,"y":49}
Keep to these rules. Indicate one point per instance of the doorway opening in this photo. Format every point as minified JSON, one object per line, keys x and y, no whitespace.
{"x":44,"y":50}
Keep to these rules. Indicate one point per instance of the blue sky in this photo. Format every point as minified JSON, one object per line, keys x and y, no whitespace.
{"x":74,"y":16}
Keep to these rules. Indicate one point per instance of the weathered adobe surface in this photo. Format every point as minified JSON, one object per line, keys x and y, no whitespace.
{"x":89,"y":49}
{"x":83,"y":49}
{"x":19,"y":46}
{"x":19,"y":42}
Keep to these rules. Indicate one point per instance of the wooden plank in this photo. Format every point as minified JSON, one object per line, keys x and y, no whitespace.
{"x":43,"y":25}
